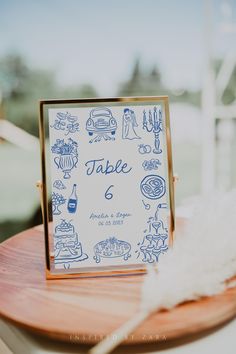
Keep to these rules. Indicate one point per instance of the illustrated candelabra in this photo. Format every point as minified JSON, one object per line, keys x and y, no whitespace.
{"x":154,"y":124}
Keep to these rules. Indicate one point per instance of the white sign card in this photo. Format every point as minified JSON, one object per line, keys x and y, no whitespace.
{"x":111,"y":183}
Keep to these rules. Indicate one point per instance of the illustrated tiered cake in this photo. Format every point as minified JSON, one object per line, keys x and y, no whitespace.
{"x":67,"y":247}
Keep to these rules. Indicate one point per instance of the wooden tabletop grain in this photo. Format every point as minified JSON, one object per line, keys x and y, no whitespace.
{"x":85,"y":310}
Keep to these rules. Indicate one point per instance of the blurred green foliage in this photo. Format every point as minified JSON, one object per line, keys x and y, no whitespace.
{"x":149,"y":83}
{"x":22,"y":87}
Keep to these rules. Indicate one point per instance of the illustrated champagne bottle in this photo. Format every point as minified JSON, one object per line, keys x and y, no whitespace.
{"x":73,"y":201}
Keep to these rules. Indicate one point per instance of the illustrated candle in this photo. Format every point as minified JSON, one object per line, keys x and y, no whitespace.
{"x":73,"y":200}
{"x":155,"y":119}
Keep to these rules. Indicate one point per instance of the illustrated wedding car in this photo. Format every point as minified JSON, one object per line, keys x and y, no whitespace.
{"x":101,"y":121}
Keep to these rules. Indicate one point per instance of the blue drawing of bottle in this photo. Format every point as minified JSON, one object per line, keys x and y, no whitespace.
{"x":72,"y":201}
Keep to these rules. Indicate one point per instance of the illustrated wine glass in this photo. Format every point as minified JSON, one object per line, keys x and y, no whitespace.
{"x":149,"y":238}
{"x":156,"y":225}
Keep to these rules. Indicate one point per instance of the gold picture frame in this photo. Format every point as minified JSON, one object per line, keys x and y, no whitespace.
{"x":44,"y":107}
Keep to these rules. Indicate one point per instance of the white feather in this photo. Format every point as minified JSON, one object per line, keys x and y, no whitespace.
{"x":202,"y":259}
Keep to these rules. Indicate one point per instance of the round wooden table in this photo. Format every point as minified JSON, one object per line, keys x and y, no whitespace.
{"x":85,"y":310}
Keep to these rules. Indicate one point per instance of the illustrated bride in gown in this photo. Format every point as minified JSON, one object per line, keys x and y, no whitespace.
{"x":129,"y":124}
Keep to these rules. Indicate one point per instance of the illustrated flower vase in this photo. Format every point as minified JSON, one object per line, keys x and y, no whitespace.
{"x":66,"y":162}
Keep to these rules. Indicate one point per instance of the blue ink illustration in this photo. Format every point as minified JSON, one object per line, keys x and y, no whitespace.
{"x":129,"y":124}
{"x":67,"y":248}
{"x":112,"y":248}
{"x":106,"y":167}
{"x":67,"y":122}
{"x":68,"y":156}
{"x":144,"y":149}
{"x":72,"y":201}
{"x":154,"y":241}
{"x":58,"y":184}
{"x":102,"y":124}
{"x":73,"y":125}
{"x":152,"y":164}
{"x":146,"y":205}
{"x":154,"y":124}
{"x":108,"y":194}
{"x":59,"y":123}
{"x":57,"y":200}
{"x":153,"y":186}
